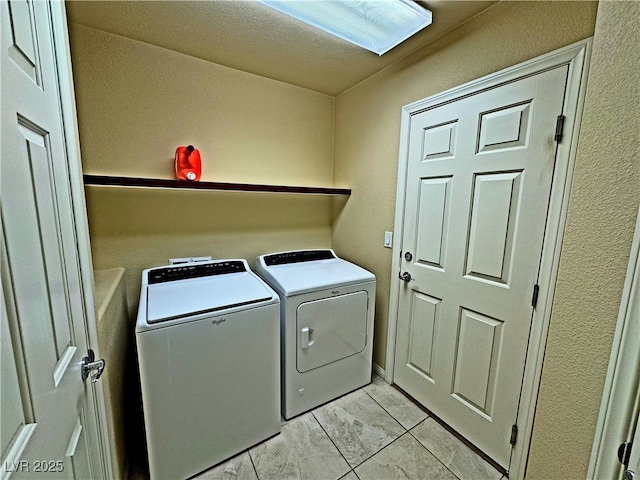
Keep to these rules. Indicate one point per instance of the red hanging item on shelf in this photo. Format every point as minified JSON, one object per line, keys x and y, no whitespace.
{"x":188,"y":163}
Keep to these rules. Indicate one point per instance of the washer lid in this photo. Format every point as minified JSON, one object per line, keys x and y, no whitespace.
{"x":297,"y":278}
{"x":181,"y":298}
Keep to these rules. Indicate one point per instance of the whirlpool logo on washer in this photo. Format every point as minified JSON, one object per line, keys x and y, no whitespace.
{"x":219,"y":321}
{"x":335,"y":292}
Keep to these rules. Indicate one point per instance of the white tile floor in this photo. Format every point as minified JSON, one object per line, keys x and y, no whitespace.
{"x":372,"y":433}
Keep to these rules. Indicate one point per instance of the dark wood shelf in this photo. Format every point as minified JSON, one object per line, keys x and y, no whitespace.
{"x":106,"y":180}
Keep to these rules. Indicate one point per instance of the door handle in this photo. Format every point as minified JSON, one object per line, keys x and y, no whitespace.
{"x":89,"y":364}
{"x":306,"y":337}
{"x":405,"y":277}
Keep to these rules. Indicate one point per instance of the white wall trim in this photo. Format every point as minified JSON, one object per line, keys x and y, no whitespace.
{"x":621,"y":395}
{"x":378,"y":370}
{"x":576,"y":56}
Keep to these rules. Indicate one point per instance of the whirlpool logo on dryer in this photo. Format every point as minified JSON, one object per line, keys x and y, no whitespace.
{"x":219,"y":321}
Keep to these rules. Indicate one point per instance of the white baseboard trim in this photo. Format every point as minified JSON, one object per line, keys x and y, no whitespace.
{"x":378,"y":370}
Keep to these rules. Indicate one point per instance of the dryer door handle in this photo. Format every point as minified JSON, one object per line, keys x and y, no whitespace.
{"x":306,"y":341}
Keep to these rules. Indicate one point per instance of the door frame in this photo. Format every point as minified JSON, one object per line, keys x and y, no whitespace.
{"x":620,"y":398}
{"x":97,"y":410}
{"x":577,"y":57}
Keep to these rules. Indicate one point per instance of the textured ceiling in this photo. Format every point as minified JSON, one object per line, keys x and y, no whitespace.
{"x":249,"y":36}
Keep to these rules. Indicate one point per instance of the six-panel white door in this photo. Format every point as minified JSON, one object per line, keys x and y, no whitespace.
{"x":48,"y":420}
{"x":479,"y":177}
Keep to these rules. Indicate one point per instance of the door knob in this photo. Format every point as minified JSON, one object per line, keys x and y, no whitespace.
{"x":405,"y":277}
{"x":89,"y":364}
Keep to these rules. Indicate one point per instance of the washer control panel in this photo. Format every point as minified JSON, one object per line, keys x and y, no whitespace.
{"x":183,"y":272}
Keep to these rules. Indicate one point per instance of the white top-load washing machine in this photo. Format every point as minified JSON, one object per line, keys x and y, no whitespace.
{"x":327,"y":307}
{"x":208,"y":339}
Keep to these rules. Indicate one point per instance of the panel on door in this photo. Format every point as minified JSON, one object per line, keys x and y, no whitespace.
{"x":477,"y":352}
{"x":425,"y":317}
{"x":494,"y":213}
{"x":479,"y":177}
{"x":330,"y":329}
{"x":433,"y":219}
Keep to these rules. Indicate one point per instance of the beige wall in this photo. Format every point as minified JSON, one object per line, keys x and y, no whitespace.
{"x":602,"y":211}
{"x":603,"y":204}
{"x":140,"y":228}
{"x":137,"y":103}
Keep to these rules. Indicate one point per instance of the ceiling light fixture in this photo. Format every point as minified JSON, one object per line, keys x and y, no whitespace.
{"x":377,"y":25}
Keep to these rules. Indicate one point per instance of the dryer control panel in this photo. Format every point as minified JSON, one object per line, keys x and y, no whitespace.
{"x":297,"y":257}
{"x":183,"y":272}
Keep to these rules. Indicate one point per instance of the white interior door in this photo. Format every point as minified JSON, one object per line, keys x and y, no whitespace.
{"x":48,"y":418}
{"x":479,"y":176}
{"x":620,"y":409}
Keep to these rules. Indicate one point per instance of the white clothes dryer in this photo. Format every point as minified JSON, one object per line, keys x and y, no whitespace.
{"x":327,"y":308}
{"x":208,"y":345}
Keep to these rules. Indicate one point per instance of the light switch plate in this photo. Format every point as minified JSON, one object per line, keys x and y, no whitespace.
{"x":388,"y":239}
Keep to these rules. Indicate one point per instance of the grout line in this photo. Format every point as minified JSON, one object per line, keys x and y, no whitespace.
{"x":421,"y":408}
{"x":424,"y":410}
{"x":383,"y":448}
{"x":373,"y":454}
{"x":457,"y":435}
{"x":253,"y":464}
{"x":334,"y":443}
{"x":390,"y":414}
{"x":427,"y":449}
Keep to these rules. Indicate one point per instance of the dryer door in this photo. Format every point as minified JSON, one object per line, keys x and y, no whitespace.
{"x":330,"y":329}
